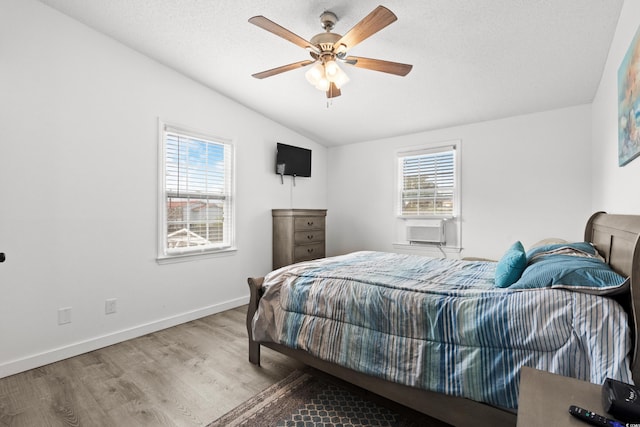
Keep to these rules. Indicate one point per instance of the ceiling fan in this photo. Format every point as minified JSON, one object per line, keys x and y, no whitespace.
{"x":328,"y":49}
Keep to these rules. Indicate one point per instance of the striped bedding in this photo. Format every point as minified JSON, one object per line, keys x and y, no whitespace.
{"x":440,"y":324}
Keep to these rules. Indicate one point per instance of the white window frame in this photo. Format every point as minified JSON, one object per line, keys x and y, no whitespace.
{"x":227,"y":197}
{"x":426,"y":150}
{"x":453,"y":226}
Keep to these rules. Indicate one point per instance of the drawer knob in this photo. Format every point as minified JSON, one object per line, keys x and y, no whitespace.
{"x":309,"y":223}
{"x":309,"y":250}
{"x":310,"y":236}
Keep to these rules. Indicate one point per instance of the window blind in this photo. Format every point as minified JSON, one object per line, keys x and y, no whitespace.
{"x":198,"y":193}
{"x":428,"y":183}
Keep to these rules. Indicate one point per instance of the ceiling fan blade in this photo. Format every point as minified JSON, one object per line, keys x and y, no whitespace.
{"x":278,"y":70}
{"x":333,"y":91}
{"x":278,"y":30}
{"x":379,"y":65}
{"x":369,"y":25}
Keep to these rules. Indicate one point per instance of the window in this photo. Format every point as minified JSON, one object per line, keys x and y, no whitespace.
{"x":428,"y":182}
{"x":196,"y":204}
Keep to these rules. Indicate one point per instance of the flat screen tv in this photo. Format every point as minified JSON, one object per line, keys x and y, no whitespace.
{"x":292,"y":160}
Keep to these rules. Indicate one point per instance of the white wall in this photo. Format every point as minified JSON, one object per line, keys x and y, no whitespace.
{"x":78,"y":183}
{"x":615,"y":189}
{"x":523,"y":178}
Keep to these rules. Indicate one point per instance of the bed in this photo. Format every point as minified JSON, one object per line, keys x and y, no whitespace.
{"x":445,"y":369}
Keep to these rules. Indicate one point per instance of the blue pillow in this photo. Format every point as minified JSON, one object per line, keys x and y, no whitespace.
{"x":511,"y":265}
{"x":581,"y":274}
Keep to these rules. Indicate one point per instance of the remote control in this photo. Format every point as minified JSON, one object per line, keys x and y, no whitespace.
{"x":593,"y":418}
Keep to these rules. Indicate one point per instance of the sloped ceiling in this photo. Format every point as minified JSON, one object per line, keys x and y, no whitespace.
{"x":473,"y":60}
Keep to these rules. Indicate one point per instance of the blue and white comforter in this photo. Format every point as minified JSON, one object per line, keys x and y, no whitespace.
{"x":440,"y":324}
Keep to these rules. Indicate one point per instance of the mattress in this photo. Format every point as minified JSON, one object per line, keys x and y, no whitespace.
{"x":440,"y":324}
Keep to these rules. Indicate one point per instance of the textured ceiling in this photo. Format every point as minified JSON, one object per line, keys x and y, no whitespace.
{"x":474,"y":60}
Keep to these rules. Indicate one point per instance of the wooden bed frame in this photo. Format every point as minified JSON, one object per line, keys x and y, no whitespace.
{"x":617,"y":238}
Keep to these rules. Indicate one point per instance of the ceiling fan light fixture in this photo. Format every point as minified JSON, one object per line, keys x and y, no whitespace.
{"x":321,"y":75}
{"x":331,"y":69}
{"x":323,"y":84}
{"x":340,"y":79}
{"x":315,"y":73}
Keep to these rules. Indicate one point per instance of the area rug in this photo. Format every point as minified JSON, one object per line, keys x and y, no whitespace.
{"x":311,"y":399}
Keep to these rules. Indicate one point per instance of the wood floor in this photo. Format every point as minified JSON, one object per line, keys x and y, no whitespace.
{"x":187,"y":375}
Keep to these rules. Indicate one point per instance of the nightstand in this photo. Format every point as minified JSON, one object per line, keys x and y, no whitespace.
{"x":544,"y":399}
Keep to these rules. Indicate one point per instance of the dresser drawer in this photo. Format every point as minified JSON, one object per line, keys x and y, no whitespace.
{"x":307,"y":237}
{"x":309,"y":223}
{"x":307,"y":252}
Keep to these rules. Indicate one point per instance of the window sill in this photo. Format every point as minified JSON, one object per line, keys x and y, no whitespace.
{"x":194,"y":256}
{"x":426,"y":247}
{"x":410,"y":217}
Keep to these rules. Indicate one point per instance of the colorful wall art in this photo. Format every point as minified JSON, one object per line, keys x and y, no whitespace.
{"x":629,"y":104}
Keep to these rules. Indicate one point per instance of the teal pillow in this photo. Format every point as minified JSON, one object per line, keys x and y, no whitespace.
{"x":587,"y":275}
{"x":511,"y":266}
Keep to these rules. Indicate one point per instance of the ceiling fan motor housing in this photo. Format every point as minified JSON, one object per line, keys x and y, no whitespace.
{"x":325,"y":41}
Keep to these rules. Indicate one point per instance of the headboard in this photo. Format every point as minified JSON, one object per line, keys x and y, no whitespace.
{"x":617,"y":238}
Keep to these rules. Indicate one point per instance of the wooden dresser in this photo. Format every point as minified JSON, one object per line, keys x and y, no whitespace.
{"x":298,"y":235}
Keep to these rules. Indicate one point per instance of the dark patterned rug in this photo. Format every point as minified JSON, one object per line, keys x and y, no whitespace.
{"x":311,"y":399}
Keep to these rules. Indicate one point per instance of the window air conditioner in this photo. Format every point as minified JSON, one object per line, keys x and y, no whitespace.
{"x":432,"y":232}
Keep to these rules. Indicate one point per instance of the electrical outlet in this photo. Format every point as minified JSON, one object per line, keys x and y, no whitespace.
{"x":64,"y":315}
{"x":110,"y":306}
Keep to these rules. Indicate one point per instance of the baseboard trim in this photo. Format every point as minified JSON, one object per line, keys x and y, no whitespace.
{"x":54,"y":355}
